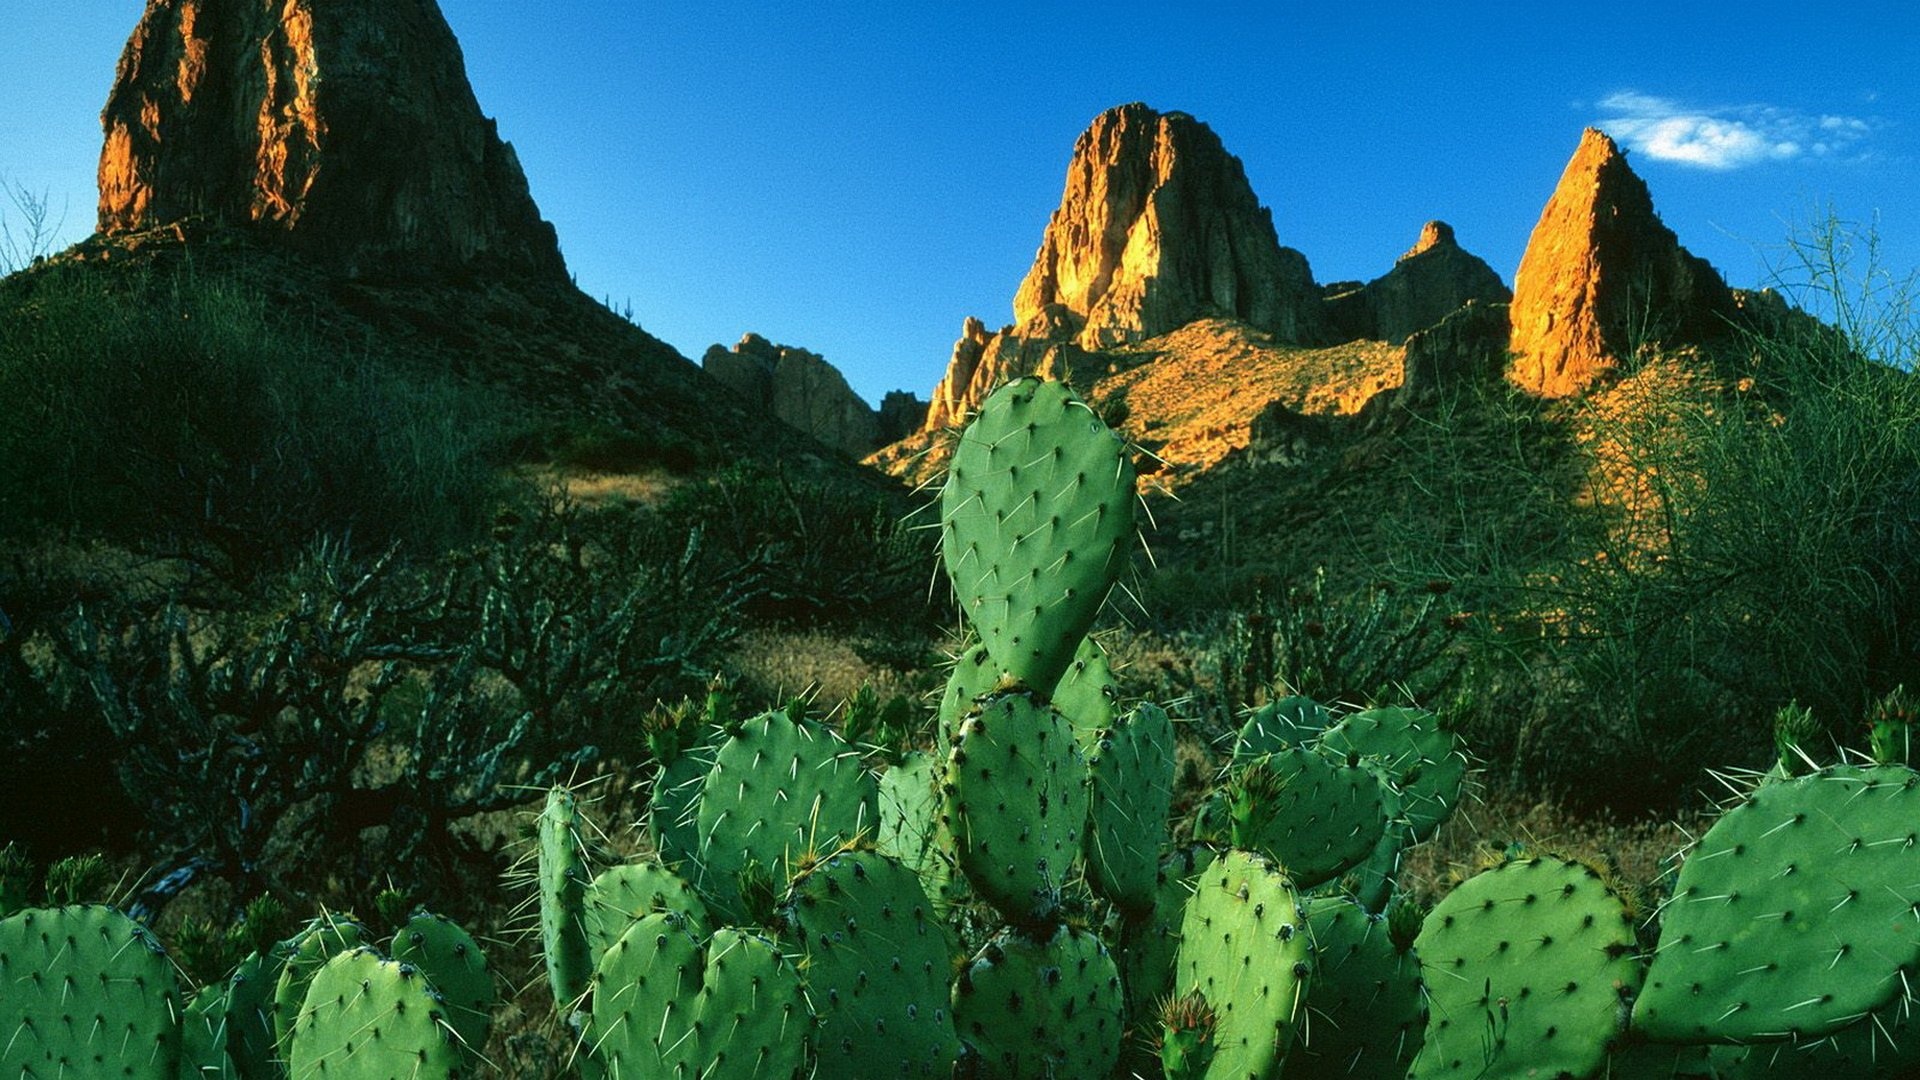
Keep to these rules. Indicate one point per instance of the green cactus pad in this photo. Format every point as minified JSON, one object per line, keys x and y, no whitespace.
{"x":1885,"y":1045}
{"x":1794,"y":915}
{"x":1087,"y":694}
{"x":1245,"y":949}
{"x":250,"y":1013}
{"x":673,"y":804}
{"x":1132,"y":771}
{"x":563,"y":876}
{"x":1372,"y":882}
{"x":1315,"y":813}
{"x":1041,"y":1009}
{"x":1423,"y":757}
{"x":1036,"y":516}
{"x":87,"y":992}
{"x":366,"y":1018}
{"x":1367,"y":1014}
{"x":877,"y":968}
{"x":307,"y":952}
{"x":1280,"y":725}
{"x":1529,"y":967}
{"x":665,"y":1006}
{"x":203,"y":1036}
{"x":456,"y":968}
{"x":1149,"y":944}
{"x":910,"y":827}
{"x":779,"y":790}
{"x":625,"y":892}
{"x":974,"y":673}
{"x":1015,"y":801}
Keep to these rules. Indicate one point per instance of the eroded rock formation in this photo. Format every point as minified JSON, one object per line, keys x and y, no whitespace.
{"x":1431,"y":281}
{"x":982,"y":360}
{"x":345,"y":127}
{"x":800,"y":388}
{"x":1602,"y":277}
{"x":1158,"y":227}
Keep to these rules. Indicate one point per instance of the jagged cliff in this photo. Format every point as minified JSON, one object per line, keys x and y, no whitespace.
{"x":345,"y":129}
{"x":1603,"y":276}
{"x":801,"y":389}
{"x":1435,"y":278}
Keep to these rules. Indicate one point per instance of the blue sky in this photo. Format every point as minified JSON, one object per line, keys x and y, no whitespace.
{"x":856,"y":178}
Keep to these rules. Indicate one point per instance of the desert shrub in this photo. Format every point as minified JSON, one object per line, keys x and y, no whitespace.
{"x":374,"y":691}
{"x":179,"y":411}
{"x":824,"y":550}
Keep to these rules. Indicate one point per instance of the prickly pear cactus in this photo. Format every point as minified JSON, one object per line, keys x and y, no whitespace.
{"x":910,"y":827}
{"x":307,"y":952}
{"x":667,"y":1005}
{"x":1015,"y":802}
{"x":1885,"y":1045}
{"x":1368,"y":1013}
{"x":454,"y":966}
{"x":85,"y":991}
{"x":1041,"y":1009}
{"x":1794,"y":915}
{"x":1036,"y":516}
{"x":974,"y":673}
{"x":372,"y":1019}
{"x":203,"y":1036}
{"x":1317,"y":814}
{"x":1246,"y":950}
{"x":1131,"y":767}
{"x":779,"y":790}
{"x":1528,"y":967}
{"x":1148,"y":944}
{"x":1188,"y":1026}
{"x":1423,"y":757}
{"x":1279,"y":725}
{"x":1372,"y":882}
{"x":625,"y":892}
{"x":877,"y":968}
{"x":1087,"y":694}
{"x":562,"y":880}
{"x":673,"y":805}
{"x":250,"y":1043}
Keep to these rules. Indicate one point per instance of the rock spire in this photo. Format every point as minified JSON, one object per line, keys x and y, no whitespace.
{"x":1602,"y":277}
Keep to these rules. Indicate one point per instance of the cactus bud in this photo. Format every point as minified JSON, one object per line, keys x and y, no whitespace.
{"x":1186,"y":1036}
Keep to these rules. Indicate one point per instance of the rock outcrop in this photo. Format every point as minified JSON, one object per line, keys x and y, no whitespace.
{"x":1045,"y":344}
{"x":1158,"y":227}
{"x":1468,"y":346}
{"x":1428,"y":283}
{"x":346,"y":128}
{"x":1602,"y":277}
{"x":799,"y":388}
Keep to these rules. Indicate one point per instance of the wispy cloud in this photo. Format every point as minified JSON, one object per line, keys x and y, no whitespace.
{"x":1726,"y":138}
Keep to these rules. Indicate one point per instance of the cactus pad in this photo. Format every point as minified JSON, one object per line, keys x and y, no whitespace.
{"x":625,"y":892}
{"x":306,"y":953}
{"x":1794,"y":915}
{"x":562,"y":878}
{"x":203,"y":1036}
{"x":372,"y":1019}
{"x":877,"y":968}
{"x":1015,"y":802}
{"x":910,"y":820}
{"x":86,"y":992}
{"x":1087,"y":693}
{"x":1041,"y":1009}
{"x":1245,"y":949}
{"x":1131,"y":767}
{"x":665,"y":1005}
{"x":1367,"y":1014}
{"x":250,"y":1013}
{"x":779,"y":790}
{"x":1036,"y":516}
{"x":1422,"y":756}
{"x":1528,"y":968}
{"x":456,"y":968}
{"x":1278,"y":725}
{"x":1317,"y":814}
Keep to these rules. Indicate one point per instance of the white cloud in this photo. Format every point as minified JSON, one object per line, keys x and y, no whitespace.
{"x":1725,"y":138}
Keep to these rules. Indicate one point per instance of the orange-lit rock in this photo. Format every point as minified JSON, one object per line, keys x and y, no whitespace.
{"x":1158,"y":227}
{"x":800,"y":388}
{"x":345,"y":127}
{"x":1602,"y":277}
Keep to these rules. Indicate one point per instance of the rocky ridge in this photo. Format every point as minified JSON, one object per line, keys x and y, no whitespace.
{"x":806,"y":392}
{"x":1431,"y":281}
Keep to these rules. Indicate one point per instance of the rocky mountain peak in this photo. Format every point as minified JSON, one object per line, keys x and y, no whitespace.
{"x":346,"y":128}
{"x":1603,"y":276}
{"x":1157,"y":227}
{"x":1434,"y":234}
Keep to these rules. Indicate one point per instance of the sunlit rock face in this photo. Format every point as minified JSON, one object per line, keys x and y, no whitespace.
{"x":1602,"y":277}
{"x":1158,"y":227}
{"x":347,"y":128}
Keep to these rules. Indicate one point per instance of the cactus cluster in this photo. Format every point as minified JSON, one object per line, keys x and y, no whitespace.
{"x":1014,"y":903}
